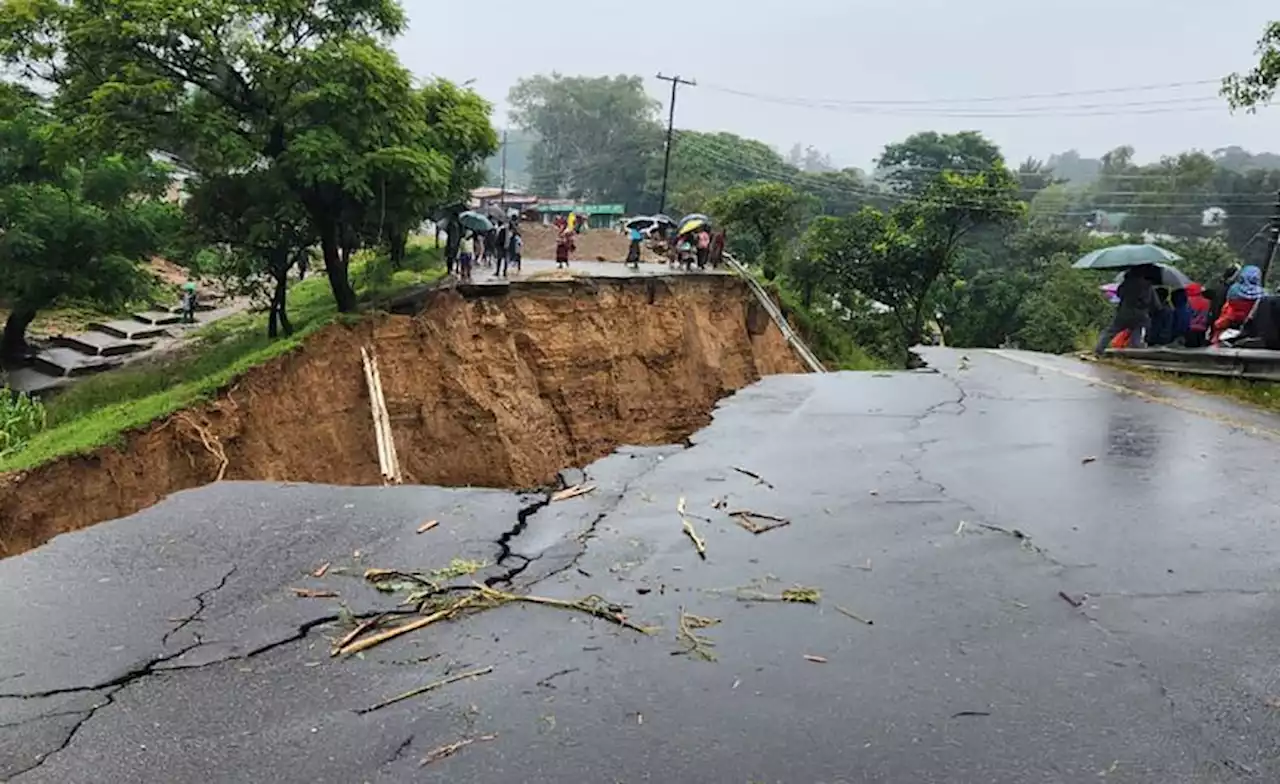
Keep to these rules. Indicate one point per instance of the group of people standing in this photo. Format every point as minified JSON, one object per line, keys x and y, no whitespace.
{"x":499,"y":248}
{"x":1192,"y":316}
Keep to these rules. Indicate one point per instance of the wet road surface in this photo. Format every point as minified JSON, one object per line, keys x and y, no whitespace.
{"x":965,"y":513}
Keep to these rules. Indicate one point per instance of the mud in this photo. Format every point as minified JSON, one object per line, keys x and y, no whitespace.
{"x":500,"y":391}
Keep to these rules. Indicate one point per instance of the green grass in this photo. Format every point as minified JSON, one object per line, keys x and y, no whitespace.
{"x":1263,"y":394}
{"x":96,"y":411}
{"x":825,"y":335}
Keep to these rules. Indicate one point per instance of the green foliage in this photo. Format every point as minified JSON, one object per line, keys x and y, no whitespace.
{"x":911,"y":165}
{"x":72,"y":227}
{"x":829,"y":336}
{"x":770,"y":213}
{"x":310,"y":92}
{"x":1249,"y":90}
{"x":21,"y":419}
{"x":1063,"y":312}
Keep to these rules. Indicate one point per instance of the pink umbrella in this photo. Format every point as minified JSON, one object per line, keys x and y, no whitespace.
{"x":1109,"y":289}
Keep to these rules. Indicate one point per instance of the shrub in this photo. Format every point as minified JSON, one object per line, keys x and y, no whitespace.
{"x":21,"y":417}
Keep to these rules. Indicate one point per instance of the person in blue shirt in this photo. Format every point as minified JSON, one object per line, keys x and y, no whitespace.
{"x":633,"y":253}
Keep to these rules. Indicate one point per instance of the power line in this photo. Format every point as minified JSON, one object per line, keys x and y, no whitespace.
{"x":980,"y":99}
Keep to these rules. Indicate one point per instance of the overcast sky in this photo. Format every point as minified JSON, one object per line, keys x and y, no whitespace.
{"x":856,"y":52}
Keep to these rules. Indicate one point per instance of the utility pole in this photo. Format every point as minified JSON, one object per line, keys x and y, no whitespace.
{"x":1275,"y":238}
{"x":502,"y":194}
{"x":676,"y":81}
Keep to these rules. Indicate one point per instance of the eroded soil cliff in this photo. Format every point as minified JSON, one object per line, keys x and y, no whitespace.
{"x":499,"y":391}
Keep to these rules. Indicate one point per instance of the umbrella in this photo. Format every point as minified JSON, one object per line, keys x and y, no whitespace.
{"x":693,"y":222}
{"x":475,"y":221}
{"x":1170,"y":277}
{"x":494,"y":213}
{"x":1109,"y":291}
{"x":641,"y":222}
{"x":1125,"y":256}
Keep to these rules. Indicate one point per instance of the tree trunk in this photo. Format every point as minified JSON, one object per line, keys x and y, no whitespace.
{"x":399,"y":244}
{"x":335,"y":266}
{"x":278,"y":318}
{"x":13,"y":345}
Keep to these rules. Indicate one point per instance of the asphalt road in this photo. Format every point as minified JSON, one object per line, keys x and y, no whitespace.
{"x":168,"y":647}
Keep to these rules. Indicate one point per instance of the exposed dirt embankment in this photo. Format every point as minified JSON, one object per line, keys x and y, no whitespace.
{"x":592,"y":244}
{"x":499,"y":391}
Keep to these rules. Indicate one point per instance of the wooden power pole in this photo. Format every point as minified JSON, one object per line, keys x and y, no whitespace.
{"x":676,"y":81}
{"x":502,"y":194}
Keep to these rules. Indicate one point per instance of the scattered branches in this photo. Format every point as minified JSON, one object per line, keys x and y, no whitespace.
{"x":427,"y":526}
{"x":449,"y":749}
{"x":855,"y":616}
{"x":760,"y":480}
{"x":696,"y":644}
{"x":795,"y":595}
{"x":571,"y":492}
{"x":462,"y":676}
{"x":699,"y":544}
{"x":747,"y":519}
{"x":312,"y":593}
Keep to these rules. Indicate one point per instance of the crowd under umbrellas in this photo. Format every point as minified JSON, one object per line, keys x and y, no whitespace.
{"x":1157,"y":304}
{"x":693,"y":240}
{"x":489,"y":236}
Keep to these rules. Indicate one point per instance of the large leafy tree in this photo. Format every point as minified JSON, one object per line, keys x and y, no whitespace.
{"x":897,"y":257}
{"x":768,"y":213}
{"x":596,"y":137}
{"x":308,"y":89}
{"x":911,"y":166}
{"x":72,"y":227}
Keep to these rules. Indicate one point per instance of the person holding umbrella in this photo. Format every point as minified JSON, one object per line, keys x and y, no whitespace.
{"x":1138,"y":301}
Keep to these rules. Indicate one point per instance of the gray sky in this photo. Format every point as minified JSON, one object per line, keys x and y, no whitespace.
{"x":886,"y":50}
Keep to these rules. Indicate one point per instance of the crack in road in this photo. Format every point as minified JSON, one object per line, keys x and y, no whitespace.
{"x":200,"y":600}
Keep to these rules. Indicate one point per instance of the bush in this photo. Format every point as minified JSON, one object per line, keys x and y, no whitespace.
{"x":21,"y":418}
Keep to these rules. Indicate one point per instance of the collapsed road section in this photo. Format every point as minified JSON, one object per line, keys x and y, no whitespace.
{"x":496,"y":388}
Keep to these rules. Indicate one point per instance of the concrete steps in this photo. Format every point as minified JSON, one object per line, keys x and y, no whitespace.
{"x":158,"y":318}
{"x":101,"y":344}
{"x":126,"y":329}
{"x":69,"y":363}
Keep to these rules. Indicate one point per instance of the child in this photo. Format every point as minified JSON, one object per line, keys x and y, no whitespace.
{"x":515,"y":246}
{"x":633,"y":252}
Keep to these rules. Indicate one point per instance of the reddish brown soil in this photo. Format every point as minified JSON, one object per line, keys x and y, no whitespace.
{"x":591,"y":245}
{"x":498,"y":391}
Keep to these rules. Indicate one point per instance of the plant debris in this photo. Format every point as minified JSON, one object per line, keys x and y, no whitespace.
{"x":719,"y":503}
{"x":684,"y":512}
{"x":815,"y":659}
{"x":798,"y":594}
{"x":695,"y":644}
{"x":1076,"y":603}
{"x":963,"y":714}
{"x":760,"y":480}
{"x":449,"y":749}
{"x":571,"y":492}
{"x":699,"y":543}
{"x":1088,"y":460}
{"x":854,"y":615}
{"x":446,"y":605}
{"x":321,"y":570}
{"x":747,"y":519}
{"x":427,"y":526}
{"x":462,"y":676}
{"x":312,"y":593}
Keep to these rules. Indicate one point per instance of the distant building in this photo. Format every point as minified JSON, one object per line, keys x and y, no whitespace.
{"x":511,"y":198}
{"x":599,"y":216}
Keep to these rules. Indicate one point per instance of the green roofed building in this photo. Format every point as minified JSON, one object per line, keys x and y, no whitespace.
{"x":599,"y":216}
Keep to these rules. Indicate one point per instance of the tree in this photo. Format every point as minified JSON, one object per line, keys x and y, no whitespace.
{"x":911,"y":165}
{"x":230,"y":84}
{"x":596,"y":137}
{"x":769,"y":212}
{"x":896,"y":258}
{"x":70,"y":228}
{"x":1250,"y":90}
{"x":256,"y":217}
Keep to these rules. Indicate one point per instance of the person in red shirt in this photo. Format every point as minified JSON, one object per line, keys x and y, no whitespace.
{"x":1200,"y":306}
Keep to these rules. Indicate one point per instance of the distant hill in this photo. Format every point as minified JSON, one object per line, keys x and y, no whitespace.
{"x":1077,"y":170}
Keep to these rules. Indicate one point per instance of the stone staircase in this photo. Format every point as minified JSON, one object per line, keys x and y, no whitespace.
{"x":104,"y":346}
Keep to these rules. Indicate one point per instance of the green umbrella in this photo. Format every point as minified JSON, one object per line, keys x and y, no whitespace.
{"x":1124,"y":256}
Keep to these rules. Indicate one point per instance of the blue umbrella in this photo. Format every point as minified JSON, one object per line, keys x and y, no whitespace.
{"x":475,"y":221}
{"x":1125,"y":256}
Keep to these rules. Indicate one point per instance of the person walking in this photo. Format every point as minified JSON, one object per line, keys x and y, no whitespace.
{"x":633,"y":252}
{"x":1138,"y":301}
{"x":564,"y":244}
{"x":515,"y":247}
{"x":500,"y":253}
{"x":704,"y":247}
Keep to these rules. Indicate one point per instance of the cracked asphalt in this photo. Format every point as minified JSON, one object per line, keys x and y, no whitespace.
{"x":1036,"y":615}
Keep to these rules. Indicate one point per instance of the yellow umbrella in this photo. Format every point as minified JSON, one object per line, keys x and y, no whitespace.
{"x":692,"y":225}
{"x":573,"y":219}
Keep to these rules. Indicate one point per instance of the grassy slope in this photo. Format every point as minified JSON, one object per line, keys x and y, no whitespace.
{"x":96,"y":411}
{"x":825,"y":336}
